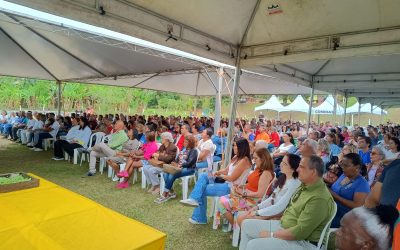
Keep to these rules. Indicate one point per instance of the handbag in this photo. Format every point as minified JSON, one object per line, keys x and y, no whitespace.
{"x":171,"y":169}
{"x":156,"y":163}
{"x":219,"y":180}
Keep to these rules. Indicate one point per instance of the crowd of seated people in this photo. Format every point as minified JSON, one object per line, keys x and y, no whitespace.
{"x":280,"y":186}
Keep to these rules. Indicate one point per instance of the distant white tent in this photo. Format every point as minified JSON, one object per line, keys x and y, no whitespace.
{"x":272,"y":104}
{"x":298,"y":105}
{"x":327,"y":107}
{"x":365,"y":108}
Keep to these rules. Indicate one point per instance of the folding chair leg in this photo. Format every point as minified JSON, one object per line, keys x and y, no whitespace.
{"x":143,"y":179}
{"x":162,"y":184}
{"x":215,"y":210}
{"x":75,"y":156}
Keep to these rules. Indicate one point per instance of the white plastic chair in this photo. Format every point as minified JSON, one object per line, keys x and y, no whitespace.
{"x":326,"y":232}
{"x":48,"y":142}
{"x":236,"y":228}
{"x":102,"y":160}
{"x":83,"y":152}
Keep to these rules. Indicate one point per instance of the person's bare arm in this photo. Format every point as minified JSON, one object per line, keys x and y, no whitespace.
{"x":203,"y":154}
{"x":374,"y":196}
{"x":242,"y":165}
{"x":359,"y":199}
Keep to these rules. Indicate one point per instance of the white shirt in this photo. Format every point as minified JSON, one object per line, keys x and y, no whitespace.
{"x":207,"y":145}
{"x":55,"y":126}
{"x":72,"y":133}
{"x":38,"y":125}
{"x":30,"y":124}
{"x":283,"y":148}
{"x":281,"y":200}
{"x":371,"y":174}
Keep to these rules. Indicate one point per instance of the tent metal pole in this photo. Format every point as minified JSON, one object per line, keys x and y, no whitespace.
{"x":310,"y":107}
{"x":232,"y":117}
{"x":370,"y":115}
{"x":334,"y":107}
{"x":217,"y":118}
{"x":59,"y":97}
{"x":381,"y":114}
{"x":345,"y":108}
{"x":359,"y":109}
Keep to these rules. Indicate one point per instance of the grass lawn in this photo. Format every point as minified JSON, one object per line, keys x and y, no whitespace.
{"x":170,"y":217}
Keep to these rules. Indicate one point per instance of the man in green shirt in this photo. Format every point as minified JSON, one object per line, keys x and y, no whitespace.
{"x":118,"y":138}
{"x":301,"y":224}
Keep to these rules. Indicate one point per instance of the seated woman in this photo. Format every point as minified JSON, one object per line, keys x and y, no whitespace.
{"x":78,"y":137}
{"x":285,"y":187}
{"x":351,"y":189}
{"x":394,"y":150}
{"x":245,"y":197}
{"x":375,"y":168}
{"x":334,"y":170}
{"x":186,"y":161}
{"x":165,"y":154}
{"x":324,"y":151}
{"x":227,"y":177}
{"x":364,"y":228}
{"x":134,"y":159}
{"x":285,"y":147}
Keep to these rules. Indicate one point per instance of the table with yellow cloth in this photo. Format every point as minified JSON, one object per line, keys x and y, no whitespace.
{"x":52,"y":217}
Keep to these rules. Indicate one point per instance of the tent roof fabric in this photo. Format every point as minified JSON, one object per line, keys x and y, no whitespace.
{"x":38,"y":49}
{"x":327,"y":107}
{"x":302,"y":42}
{"x":365,"y":108}
{"x":298,"y":105}
{"x":272,"y":104}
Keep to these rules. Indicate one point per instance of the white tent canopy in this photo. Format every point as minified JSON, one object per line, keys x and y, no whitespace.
{"x":365,"y":108}
{"x":327,"y":107}
{"x":272,"y":104}
{"x":303,"y":40}
{"x":298,"y":105}
{"x":67,"y":51}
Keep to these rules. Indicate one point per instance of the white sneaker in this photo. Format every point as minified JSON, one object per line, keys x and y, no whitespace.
{"x":32,"y":148}
{"x":190,"y":203}
{"x":38,"y":150}
{"x":196,"y":222}
{"x":29,"y":144}
{"x":115,"y":178}
{"x":58,"y":159}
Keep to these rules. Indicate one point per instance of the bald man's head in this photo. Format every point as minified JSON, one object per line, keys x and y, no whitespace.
{"x":119,"y":125}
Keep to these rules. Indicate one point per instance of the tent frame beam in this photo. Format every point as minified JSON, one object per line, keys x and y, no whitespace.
{"x":359,"y":43}
{"x":29,"y":54}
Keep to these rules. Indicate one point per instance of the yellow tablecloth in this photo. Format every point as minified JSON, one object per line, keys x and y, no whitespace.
{"x":52,"y":217}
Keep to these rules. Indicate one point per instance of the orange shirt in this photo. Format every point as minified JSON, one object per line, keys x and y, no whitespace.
{"x":263,"y":136}
{"x":252,"y":181}
{"x":396,"y":233}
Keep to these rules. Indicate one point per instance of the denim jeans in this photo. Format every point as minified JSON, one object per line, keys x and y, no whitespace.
{"x":202,"y":164}
{"x":201,"y":190}
{"x":170,"y":178}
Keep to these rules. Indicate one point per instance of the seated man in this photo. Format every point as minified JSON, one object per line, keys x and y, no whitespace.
{"x":50,"y":130}
{"x":301,"y":225}
{"x":206,"y":148}
{"x":118,"y":138}
{"x":3,"y":120}
{"x":26,"y":132}
{"x":21,"y":123}
{"x":10,"y":123}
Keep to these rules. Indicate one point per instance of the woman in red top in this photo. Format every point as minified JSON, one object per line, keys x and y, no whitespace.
{"x":244,"y":197}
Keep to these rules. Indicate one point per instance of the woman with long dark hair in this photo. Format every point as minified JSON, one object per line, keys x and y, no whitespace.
{"x":220,"y":183}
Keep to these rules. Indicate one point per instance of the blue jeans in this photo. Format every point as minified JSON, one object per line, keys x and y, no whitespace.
{"x":170,"y":178}
{"x":202,"y":164}
{"x":217,"y":158}
{"x":201,"y":190}
{"x":7,"y":129}
{"x":42,"y":136}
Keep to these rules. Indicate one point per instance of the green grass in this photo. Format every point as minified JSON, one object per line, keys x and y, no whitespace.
{"x":170,"y":217}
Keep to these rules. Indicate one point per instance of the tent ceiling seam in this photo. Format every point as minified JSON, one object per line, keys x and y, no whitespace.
{"x":59,"y":47}
{"x":30,"y":55}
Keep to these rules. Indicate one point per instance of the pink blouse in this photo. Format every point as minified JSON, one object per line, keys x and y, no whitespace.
{"x":149,"y":149}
